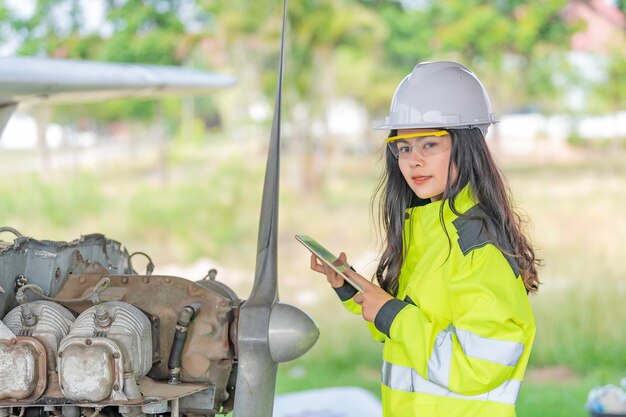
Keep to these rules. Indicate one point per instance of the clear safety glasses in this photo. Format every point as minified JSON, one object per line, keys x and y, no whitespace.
{"x":426,"y":144}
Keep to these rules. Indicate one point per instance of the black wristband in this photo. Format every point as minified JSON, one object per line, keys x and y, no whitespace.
{"x":346,"y":291}
{"x":387,"y":313}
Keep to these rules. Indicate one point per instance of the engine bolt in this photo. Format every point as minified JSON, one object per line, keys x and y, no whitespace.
{"x":116,"y":355}
{"x":88,"y":342}
{"x":146,"y":280}
{"x":124,"y":280}
{"x":116,"y":387}
{"x":167,"y":280}
{"x":60,"y":354}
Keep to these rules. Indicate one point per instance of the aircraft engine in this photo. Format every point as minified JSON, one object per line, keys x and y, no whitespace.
{"x":82,"y":333}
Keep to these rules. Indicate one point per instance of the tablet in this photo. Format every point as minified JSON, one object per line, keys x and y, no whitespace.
{"x":328,"y":258}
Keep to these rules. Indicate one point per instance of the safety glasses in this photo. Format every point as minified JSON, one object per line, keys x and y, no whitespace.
{"x":425,"y":143}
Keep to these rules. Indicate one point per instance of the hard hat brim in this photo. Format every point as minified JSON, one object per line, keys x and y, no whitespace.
{"x":388,"y":126}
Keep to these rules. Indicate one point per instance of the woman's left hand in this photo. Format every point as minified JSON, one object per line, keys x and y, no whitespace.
{"x":371,"y":299}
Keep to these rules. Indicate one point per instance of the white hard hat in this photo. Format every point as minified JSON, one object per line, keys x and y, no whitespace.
{"x":441,"y":94}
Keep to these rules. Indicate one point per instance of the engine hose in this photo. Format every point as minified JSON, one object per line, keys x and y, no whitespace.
{"x":12,"y":230}
{"x":180,"y":336}
{"x":149,"y":267}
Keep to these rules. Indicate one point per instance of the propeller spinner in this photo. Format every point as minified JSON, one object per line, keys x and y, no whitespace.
{"x":269,"y":332}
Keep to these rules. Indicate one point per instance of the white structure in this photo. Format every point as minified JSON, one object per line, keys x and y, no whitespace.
{"x":328,"y":402}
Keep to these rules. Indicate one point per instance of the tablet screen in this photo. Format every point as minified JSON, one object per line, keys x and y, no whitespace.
{"x":327,"y":257}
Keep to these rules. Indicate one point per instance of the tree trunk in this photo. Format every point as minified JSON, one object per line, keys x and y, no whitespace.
{"x":158,"y":130}
{"x":42,"y":116}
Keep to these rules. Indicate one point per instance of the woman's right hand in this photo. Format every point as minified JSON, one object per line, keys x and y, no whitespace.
{"x":334,"y":279}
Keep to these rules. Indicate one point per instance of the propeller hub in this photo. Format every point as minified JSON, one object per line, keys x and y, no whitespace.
{"x":291,"y":332}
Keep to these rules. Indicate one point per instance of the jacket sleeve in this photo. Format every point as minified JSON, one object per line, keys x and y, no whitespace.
{"x":479,"y":349}
{"x":346,"y":294}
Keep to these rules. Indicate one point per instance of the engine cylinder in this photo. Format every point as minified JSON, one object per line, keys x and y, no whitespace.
{"x":53,"y":324}
{"x":23,"y":364}
{"x":95,"y":360}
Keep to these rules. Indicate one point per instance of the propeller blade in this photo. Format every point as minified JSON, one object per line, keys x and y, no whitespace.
{"x":256,"y":370}
{"x":268,"y":331}
{"x":265,"y":289}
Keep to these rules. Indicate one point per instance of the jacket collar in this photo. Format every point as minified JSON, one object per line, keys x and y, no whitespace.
{"x":429,"y":213}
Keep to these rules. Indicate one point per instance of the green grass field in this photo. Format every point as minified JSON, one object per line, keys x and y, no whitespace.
{"x":210,"y":206}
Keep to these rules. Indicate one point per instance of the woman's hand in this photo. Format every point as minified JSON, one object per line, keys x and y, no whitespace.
{"x":371,"y":299}
{"x":334,"y":279}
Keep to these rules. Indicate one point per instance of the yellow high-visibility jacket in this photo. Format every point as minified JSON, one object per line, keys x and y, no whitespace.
{"x":458,"y":334}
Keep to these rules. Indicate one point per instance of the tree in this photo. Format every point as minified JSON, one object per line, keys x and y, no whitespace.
{"x":42,"y":32}
{"x":609,"y":94}
{"x":514,"y":46}
{"x":146,"y":31}
{"x":324,"y":40}
{"x":322,"y":33}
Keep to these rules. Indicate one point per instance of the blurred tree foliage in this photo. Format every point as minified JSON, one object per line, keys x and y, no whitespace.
{"x":145,"y":31}
{"x":358,"y":48}
{"x":336,"y":48}
{"x":516,"y":47}
{"x":609,"y":94}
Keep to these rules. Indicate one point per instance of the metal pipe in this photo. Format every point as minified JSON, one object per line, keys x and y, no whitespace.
{"x":28,"y":317}
{"x":71,"y":411}
{"x":103,"y":320}
{"x":175,"y":408}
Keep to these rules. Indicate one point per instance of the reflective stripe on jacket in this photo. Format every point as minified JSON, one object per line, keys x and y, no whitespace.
{"x":459,"y":333}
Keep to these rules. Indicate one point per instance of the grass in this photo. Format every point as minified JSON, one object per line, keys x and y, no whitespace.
{"x":579,"y":227}
{"x":565,"y":398}
{"x":209,"y":208}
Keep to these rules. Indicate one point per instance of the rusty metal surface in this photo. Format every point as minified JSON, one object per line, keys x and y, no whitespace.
{"x":151,"y":390}
{"x":163,"y":297}
{"x":23,"y":364}
{"x":207,"y":358}
{"x":158,"y":391}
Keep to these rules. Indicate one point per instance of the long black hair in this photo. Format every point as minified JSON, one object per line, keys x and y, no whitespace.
{"x":476,"y":167}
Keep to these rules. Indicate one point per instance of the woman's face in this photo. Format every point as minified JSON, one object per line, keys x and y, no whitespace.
{"x":424,"y":162}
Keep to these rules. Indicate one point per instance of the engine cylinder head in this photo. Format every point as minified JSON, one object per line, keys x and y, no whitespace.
{"x":52,"y":324}
{"x":129,"y":327}
{"x":113,"y":353}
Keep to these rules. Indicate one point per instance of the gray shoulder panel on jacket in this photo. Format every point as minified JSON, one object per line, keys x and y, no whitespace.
{"x":475,"y":230}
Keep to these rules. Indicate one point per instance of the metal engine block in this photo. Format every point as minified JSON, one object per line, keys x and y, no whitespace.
{"x":142,"y":344}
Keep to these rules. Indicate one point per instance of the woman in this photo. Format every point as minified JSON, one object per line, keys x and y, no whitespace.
{"x":452,"y":305}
